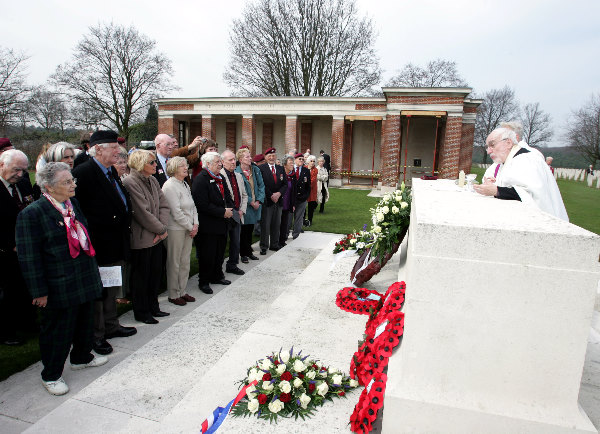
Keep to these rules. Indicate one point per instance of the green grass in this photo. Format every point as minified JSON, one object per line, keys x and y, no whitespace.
{"x":346,"y":211}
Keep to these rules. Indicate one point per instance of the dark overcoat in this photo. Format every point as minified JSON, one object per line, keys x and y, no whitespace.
{"x":210,"y":204}
{"x":303,"y":185}
{"x":270,"y":185}
{"x":45,"y":260}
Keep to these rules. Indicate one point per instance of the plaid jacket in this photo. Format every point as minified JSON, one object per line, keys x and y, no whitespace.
{"x":47,"y":265}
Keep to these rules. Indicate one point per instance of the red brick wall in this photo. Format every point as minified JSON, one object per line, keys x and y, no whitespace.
{"x":249,"y":134}
{"x":450,"y":152}
{"x":195,"y":130}
{"x":305,"y":136}
{"x":267,"y":136}
{"x":209,"y":129}
{"x":466,"y":147}
{"x":173,"y":107}
{"x":370,"y":106}
{"x":470,"y":109}
{"x":168,"y":126}
{"x":426,"y":99}
{"x":347,"y":149}
{"x":390,"y":146}
{"x":291,"y":134}
{"x":230,"y":133}
{"x":337,"y":146}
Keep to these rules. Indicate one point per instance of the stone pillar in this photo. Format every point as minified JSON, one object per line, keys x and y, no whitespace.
{"x":390,"y":147}
{"x":249,"y":133}
{"x":466,"y":147}
{"x":450,"y":152}
{"x":230,"y":134}
{"x":209,"y":127}
{"x":291,"y":134}
{"x":306,"y":136}
{"x":337,"y":150}
{"x":168,"y":125}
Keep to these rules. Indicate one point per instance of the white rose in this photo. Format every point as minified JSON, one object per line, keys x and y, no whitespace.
{"x":281,"y":368}
{"x":304,"y":400}
{"x":385,"y":209}
{"x":403,"y":205}
{"x":337,"y":379}
{"x":395,"y":209}
{"x":353,"y":382}
{"x":333,"y":371}
{"x":285,"y":357}
{"x":251,"y":392}
{"x":360,"y":245}
{"x":311,"y":375}
{"x":297,"y":383}
{"x":377,"y":229}
{"x":265,"y":364}
{"x":353,"y":241}
{"x":379,"y":216}
{"x":299,"y":366}
{"x":276,"y":406}
{"x":267,"y":385}
{"x":253,"y":406}
{"x":285,"y":386}
{"x":322,"y":389}
{"x":254,"y":374}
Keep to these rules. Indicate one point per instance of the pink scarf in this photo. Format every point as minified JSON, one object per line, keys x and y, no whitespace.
{"x":77,"y":236}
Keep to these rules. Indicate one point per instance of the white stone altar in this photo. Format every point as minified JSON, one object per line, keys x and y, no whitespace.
{"x":498,"y":309}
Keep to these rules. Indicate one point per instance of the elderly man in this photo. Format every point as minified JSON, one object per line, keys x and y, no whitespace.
{"x":549,"y":161}
{"x":164,"y":147}
{"x":237,"y":190}
{"x":211,"y":197}
{"x":275,"y":187}
{"x":107,"y":207}
{"x":523,"y":176}
{"x":15,"y":194}
{"x":302,"y":193}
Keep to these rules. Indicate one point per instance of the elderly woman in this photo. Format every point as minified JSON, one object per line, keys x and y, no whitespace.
{"x":57,"y":260}
{"x":288,"y":200}
{"x":121,"y":164}
{"x":312,"y":197}
{"x":322,"y":189}
{"x":61,"y":152}
{"x":255,"y":187}
{"x":213,"y":203}
{"x":182,"y":227}
{"x":148,"y":230}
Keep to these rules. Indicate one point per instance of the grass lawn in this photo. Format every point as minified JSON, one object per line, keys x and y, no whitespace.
{"x":346,"y":211}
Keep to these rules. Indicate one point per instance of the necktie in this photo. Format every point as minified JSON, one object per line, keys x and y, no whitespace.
{"x":234,"y":187}
{"x":274,"y":174}
{"x":298,"y":172}
{"x":113,"y":181}
{"x":15,"y":195}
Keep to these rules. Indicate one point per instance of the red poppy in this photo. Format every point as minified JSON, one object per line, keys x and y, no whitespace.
{"x":262,"y":398}
{"x":341,"y":393}
{"x":267,"y":377}
{"x":287,"y":376}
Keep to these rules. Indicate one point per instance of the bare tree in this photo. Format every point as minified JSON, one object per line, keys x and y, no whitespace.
{"x":302,"y":47}
{"x":13,"y":88}
{"x":583,"y":131}
{"x":498,"y":105}
{"x":85,"y":117}
{"x":48,"y":108}
{"x":437,"y":73}
{"x":115,"y":70}
{"x":537,"y":128}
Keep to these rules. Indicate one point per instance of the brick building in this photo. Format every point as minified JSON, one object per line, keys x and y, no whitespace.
{"x":404,"y":134}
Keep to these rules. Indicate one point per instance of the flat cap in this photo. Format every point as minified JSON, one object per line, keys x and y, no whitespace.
{"x":103,"y":136}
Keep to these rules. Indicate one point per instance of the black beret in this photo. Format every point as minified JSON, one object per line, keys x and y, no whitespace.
{"x":103,"y":136}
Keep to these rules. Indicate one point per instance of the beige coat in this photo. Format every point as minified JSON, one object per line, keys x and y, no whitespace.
{"x":183,"y":215}
{"x":150,"y":209}
{"x":322,"y":177}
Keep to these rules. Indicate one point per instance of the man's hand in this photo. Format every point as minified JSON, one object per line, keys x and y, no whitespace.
{"x":489,"y":180}
{"x":486,"y":189}
{"x":40,"y":301}
{"x":241,"y":214}
{"x":255,"y":204}
{"x":195,"y":144}
{"x":228,"y":213}
{"x":275,"y":196}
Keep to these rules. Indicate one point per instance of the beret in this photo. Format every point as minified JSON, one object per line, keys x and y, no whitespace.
{"x":270,"y":151}
{"x":299,"y":154}
{"x":5,"y":143}
{"x":258,"y":158}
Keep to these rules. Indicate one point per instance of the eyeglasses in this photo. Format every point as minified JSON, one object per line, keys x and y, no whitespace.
{"x":152,"y":163}
{"x":493,"y":145}
{"x":69,"y":182}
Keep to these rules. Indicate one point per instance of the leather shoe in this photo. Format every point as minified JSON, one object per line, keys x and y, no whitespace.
{"x":206,"y":289}
{"x":178,"y":301}
{"x":160,"y":313}
{"x":121,"y":332}
{"x":263,"y":251}
{"x":236,"y":270}
{"x":275,"y":249}
{"x":188,"y":298}
{"x":244,"y":259}
{"x":102,"y":347}
{"x":222,"y":282}
{"x":147,"y":320}
{"x":254,"y":258}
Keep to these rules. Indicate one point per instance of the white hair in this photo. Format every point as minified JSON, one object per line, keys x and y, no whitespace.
{"x":7,"y":156}
{"x":47,"y":175}
{"x":516,"y":126}
{"x":209,"y":157}
{"x":505,"y":133}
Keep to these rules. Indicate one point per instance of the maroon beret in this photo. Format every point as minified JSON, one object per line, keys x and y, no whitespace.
{"x":299,"y":154}
{"x":120,"y":140}
{"x":244,"y":147}
{"x":5,"y":143}
{"x":270,"y":151}
{"x":258,"y":158}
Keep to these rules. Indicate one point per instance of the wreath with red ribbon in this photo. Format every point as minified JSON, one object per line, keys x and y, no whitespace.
{"x":369,"y":403}
{"x":358,"y":300}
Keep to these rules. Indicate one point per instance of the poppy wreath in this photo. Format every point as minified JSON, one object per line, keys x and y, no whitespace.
{"x":392,"y":301}
{"x":369,"y":403}
{"x":357,"y":300}
{"x":359,"y":365}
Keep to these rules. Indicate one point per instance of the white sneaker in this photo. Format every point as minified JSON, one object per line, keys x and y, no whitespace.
{"x":58,"y":387}
{"x":96,"y":361}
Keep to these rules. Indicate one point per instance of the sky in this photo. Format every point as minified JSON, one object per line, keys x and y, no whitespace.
{"x":547,"y":51}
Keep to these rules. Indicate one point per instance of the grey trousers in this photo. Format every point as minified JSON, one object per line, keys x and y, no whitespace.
{"x":269,"y":226}
{"x":298,"y":218}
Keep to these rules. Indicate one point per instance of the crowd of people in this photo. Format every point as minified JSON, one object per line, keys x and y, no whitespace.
{"x":101,"y":208}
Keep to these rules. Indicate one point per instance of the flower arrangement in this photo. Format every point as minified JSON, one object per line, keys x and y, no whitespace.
{"x":288,"y":385}
{"x":390,"y":217}
{"x":357,"y":300}
{"x":358,"y":241}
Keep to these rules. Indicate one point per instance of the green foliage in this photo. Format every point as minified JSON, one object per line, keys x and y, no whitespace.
{"x":345,"y":212}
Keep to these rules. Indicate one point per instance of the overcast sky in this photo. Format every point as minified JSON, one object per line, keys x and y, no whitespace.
{"x":548,"y":51}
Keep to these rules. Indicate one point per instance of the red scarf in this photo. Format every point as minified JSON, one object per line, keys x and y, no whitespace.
{"x":219,"y":182}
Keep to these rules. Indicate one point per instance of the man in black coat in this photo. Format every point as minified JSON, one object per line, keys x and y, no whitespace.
{"x":107,"y":208}
{"x":302,"y":192}
{"x":213,"y":201}
{"x":275,"y":187}
{"x":16,"y":193}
